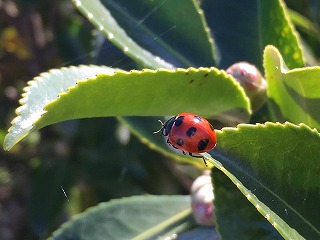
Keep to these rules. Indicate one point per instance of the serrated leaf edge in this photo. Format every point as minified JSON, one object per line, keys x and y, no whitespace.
{"x":158,"y":62}
{"x":140,"y":72}
{"x":281,"y":65}
{"x":207,"y":30}
{"x":261,"y":208}
{"x":293,"y":29}
{"x":272,"y":217}
{"x":269,"y":124}
{"x":29,"y":126}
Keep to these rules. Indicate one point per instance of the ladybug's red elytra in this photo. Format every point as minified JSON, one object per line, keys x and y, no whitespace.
{"x":189,"y":133}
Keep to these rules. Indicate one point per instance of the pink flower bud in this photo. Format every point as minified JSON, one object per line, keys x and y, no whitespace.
{"x":202,"y":200}
{"x":252,"y":82}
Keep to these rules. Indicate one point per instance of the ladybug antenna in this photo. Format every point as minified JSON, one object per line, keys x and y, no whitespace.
{"x":162,"y":124}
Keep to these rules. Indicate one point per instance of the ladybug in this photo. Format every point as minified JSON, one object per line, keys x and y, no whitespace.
{"x":189,"y":133}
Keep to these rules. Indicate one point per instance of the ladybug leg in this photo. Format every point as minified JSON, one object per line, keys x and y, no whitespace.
{"x":197,"y":156}
{"x":170,"y":144}
{"x":205,"y":162}
{"x":174,"y":146}
{"x":184,"y":153}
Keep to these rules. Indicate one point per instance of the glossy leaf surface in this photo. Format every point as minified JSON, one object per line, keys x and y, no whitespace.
{"x":279,"y":164}
{"x":154,"y":33}
{"x":295,"y":92}
{"x":242,"y":30}
{"x":91,"y":91}
{"x":143,"y":217}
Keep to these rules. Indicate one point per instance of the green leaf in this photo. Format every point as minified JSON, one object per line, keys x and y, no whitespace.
{"x":83,"y":92}
{"x":141,"y":217}
{"x":296,"y":92}
{"x":243,"y":30}
{"x":243,"y":218}
{"x":103,"y":20}
{"x":282,"y":227}
{"x":156,"y":27}
{"x":304,"y":24}
{"x":42,"y":90}
{"x":279,"y":167}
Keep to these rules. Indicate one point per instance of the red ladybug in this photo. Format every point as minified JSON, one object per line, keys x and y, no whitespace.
{"x":189,"y":133}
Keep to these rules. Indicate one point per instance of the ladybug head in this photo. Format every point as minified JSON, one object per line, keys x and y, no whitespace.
{"x":166,"y":126}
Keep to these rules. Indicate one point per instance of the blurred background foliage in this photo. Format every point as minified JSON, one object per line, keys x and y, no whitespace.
{"x":68,"y":167}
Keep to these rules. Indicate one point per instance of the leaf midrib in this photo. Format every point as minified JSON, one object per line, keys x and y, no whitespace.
{"x":235,"y":166}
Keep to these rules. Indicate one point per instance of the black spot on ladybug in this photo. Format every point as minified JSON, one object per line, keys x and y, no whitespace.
{"x":203,"y":144}
{"x":179,"y":121}
{"x":180,"y":142}
{"x":191,"y":131}
{"x":197,"y":119}
{"x":191,"y":81}
{"x":206,"y":75}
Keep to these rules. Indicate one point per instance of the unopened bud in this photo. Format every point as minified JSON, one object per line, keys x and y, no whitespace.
{"x":202,"y":197}
{"x":252,"y":82}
